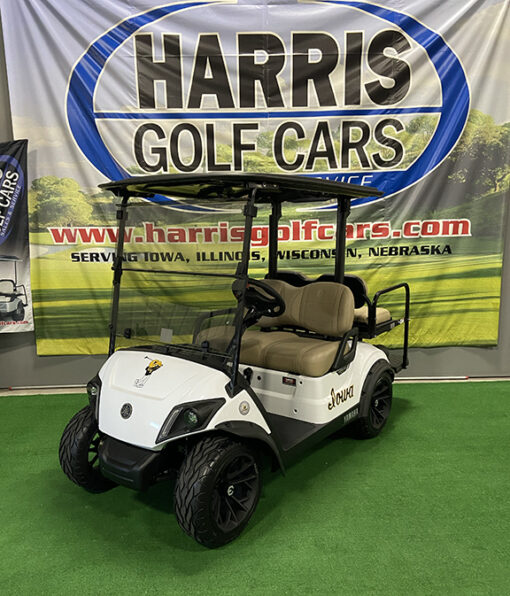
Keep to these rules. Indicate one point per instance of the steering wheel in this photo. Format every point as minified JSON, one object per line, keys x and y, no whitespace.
{"x":264,"y":300}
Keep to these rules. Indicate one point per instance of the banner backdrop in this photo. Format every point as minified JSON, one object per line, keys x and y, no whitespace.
{"x":407,"y":96}
{"x":15,"y":300}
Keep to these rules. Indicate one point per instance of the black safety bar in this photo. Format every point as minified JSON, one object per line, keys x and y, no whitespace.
{"x":372,"y":318}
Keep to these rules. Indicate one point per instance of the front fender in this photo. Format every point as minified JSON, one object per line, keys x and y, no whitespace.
{"x":249,"y":430}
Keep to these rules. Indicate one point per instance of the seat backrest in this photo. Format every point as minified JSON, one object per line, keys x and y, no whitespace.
{"x":357,"y":286}
{"x":294,"y":278}
{"x":322,"y":307}
{"x":7,"y":286}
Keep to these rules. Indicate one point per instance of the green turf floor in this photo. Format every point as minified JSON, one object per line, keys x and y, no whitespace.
{"x":422,"y":509}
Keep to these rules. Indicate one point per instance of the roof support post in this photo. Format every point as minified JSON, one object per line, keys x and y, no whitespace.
{"x":342,"y":211}
{"x":250,"y":211}
{"x":117,"y":270}
{"x":274,"y":218}
{"x":240,"y":286}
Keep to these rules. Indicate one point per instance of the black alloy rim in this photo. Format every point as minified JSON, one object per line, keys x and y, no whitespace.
{"x":235,"y":492}
{"x":381,"y":402}
{"x":93,"y":453}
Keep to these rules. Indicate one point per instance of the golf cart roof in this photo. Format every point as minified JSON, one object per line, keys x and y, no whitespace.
{"x":10,"y":259}
{"x":273,"y":188}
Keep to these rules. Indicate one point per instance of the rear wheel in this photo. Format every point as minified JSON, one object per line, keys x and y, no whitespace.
{"x":217,"y":491}
{"x":78,"y":452}
{"x":375,"y":403}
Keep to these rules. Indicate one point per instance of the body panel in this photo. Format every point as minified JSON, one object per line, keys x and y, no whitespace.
{"x":175,"y":382}
{"x":153,"y":384}
{"x":317,"y":400}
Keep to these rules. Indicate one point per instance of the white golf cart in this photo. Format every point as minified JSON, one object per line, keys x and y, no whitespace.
{"x":210,"y":370}
{"x":13,"y":296}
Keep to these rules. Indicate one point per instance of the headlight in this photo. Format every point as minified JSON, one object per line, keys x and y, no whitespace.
{"x":189,"y":417}
{"x":93,"y":391}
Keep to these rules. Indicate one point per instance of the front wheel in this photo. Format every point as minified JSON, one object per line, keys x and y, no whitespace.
{"x":375,"y":402}
{"x":217,"y":490}
{"x":78,"y":452}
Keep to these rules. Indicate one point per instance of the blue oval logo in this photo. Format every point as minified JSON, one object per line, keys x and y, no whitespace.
{"x":375,"y":113}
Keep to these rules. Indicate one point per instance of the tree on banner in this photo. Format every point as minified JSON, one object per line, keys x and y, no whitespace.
{"x":482,"y":154}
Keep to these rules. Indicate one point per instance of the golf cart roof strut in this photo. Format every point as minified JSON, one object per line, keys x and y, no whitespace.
{"x":117,"y":269}
{"x":343,"y":210}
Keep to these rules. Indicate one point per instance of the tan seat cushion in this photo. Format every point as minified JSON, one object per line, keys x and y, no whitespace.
{"x":302,"y":355}
{"x":381,"y":315}
{"x":286,"y":351}
{"x":255,"y":344}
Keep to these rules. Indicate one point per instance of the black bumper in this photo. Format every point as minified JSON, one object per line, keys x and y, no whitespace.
{"x":128,"y":465}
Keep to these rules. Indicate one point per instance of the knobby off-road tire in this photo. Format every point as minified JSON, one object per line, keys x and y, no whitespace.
{"x":375,"y":403}
{"x":78,"y":452}
{"x":217,"y":490}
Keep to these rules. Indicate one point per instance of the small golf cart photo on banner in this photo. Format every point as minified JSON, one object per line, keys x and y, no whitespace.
{"x":13,"y":295}
{"x":215,"y":368}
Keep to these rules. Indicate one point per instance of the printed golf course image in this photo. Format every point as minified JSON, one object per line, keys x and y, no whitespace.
{"x":454,"y":297}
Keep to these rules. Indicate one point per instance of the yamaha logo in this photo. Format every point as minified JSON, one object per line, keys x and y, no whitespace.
{"x":126,"y":411}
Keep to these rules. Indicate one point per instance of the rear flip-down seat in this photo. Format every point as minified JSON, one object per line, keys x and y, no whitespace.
{"x":382,"y":315}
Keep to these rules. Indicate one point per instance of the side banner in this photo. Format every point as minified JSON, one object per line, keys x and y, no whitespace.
{"x":394,"y":94}
{"x":15,"y":298}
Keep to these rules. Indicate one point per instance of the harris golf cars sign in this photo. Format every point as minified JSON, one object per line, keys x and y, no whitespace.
{"x":375,"y":94}
{"x":338,"y":102}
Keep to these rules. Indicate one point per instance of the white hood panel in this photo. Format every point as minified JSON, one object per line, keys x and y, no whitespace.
{"x":152,"y":384}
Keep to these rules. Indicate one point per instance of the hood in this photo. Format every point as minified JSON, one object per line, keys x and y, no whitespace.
{"x":152,"y":384}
